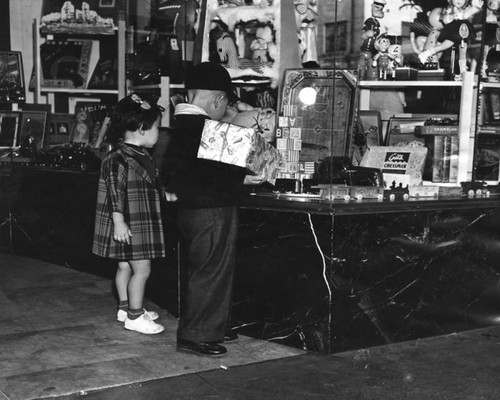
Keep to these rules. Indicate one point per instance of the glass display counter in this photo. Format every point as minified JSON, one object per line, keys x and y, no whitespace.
{"x":325,"y":276}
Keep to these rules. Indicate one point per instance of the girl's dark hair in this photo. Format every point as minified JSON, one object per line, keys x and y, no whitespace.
{"x":130,"y":114}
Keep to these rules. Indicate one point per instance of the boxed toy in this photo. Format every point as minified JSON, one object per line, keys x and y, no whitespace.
{"x":243,"y":147}
{"x":394,"y":161}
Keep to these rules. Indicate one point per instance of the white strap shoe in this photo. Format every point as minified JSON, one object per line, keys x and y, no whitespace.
{"x":143,"y":325}
{"x":151,"y":315}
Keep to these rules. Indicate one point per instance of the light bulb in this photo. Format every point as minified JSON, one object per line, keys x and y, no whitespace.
{"x":307,"y":96}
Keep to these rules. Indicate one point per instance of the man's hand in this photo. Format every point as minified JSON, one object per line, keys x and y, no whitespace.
{"x":253,"y":180}
{"x":170,"y":196}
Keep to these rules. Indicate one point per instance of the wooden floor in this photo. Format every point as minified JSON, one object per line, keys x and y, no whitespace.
{"x":59,"y":335}
{"x":59,"y":339}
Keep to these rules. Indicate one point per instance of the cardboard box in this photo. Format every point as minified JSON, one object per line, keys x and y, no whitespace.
{"x":243,"y":147}
{"x":439,"y":130}
{"x":406,"y":74}
{"x":394,"y":160}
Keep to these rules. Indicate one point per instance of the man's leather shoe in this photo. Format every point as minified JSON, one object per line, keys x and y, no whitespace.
{"x":230,"y":336}
{"x":205,"y":348}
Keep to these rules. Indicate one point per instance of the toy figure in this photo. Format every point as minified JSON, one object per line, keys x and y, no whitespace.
{"x":491,"y":33}
{"x":81,"y":132}
{"x":457,"y":29}
{"x":383,"y":60}
{"x":371,"y":30}
{"x":395,"y":51}
{"x":260,"y":46}
{"x":306,"y":20}
{"x":227,"y":51}
{"x":431,"y":41}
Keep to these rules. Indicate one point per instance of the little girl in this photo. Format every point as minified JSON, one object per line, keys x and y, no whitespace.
{"x":128,"y":225}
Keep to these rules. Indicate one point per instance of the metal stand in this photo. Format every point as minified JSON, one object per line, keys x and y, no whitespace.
{"x":12,"y":223}
{"x":10,"y":187}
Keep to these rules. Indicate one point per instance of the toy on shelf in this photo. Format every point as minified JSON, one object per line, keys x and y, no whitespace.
{"x":260,"y":45}
{"x":371,"y":30}
{"x":491,"y":37}
{"x":306,"y":20}
{"x":383,"y":60}
{"x":228,"y":53}
{"x":428,"y":43}
{"x":397,"y":192}
{"x":396,"y":51}
{"x":246,"y":38}
{"x":457,"y":30}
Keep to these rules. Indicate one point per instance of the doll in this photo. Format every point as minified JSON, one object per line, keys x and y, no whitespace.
{"x":371,"y":30}
{"x":306,"y":20}
{"x":81,"y":132}
{"x":383,"y":60}
{"x":457,"y":29}
{"x":260,"y":45}
{"x":431,"y":41}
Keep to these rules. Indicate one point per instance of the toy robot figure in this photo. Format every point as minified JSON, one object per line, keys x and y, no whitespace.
{"x":457,"y":29}
{"x":371,"y":30}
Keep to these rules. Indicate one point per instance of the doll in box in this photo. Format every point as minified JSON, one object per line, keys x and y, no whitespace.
{"x":457,"y":30}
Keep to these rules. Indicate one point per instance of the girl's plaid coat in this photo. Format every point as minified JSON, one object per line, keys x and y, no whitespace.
{"x":126,"y":187}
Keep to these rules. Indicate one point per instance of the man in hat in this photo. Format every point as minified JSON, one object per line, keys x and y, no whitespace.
{"x":207,"y":193}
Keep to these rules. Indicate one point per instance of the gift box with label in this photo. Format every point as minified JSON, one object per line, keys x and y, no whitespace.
{"x":243,"y":147}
